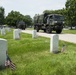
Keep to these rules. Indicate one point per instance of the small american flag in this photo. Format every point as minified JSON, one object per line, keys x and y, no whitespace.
{"x":63,"y":48}
{"x":9,"y":63}
{"x":12,"y":66}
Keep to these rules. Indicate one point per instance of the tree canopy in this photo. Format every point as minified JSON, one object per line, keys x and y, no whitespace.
{"x":2,"y":12}
{"x":14,"y":17}
{"x":71,"y":12}
{"x":60,"y":11}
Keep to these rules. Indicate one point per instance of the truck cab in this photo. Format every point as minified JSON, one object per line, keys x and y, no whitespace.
{"x":55,"y":19}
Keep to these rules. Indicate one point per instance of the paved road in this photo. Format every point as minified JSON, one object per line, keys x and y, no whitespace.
{"x":65,"y":37}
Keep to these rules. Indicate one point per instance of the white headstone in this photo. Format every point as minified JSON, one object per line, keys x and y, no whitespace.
{"x":19,"y":31}
{"x":3,"y":31}
{"x":16,"y":34}
{"x":34,"y":34}
{"x":8,"y":29}
{"x":54,"y":43}
{"x":3,"y":49}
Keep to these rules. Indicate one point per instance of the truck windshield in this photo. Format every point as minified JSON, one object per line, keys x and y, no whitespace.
{"x":58,"y":18}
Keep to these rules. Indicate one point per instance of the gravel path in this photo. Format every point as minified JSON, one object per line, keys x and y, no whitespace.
{"x":65,"y":37}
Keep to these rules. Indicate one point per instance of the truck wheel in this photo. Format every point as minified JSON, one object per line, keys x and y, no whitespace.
{"x":44,"y":30}
{"x":48,"y":29}
{"x":34,"y":27}
{"x":58,"y":31}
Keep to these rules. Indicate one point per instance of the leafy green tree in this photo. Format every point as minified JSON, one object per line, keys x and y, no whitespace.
{"x":60,"y":11}
{"x":14,"y":17}
{"x":2,"y":12}
{"x":28,"y":20}
{"x":71,"y":12}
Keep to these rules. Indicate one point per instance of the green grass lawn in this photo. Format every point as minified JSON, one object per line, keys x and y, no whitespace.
{"x":33,"y":57}
{"x":69,"y":31}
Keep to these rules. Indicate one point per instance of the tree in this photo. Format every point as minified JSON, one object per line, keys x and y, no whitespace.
{"x":28,"y":20}
{"x":60,"y":11}
{"x":2,"y":15}
{"x":14,"y":17}
{"x":71,"y":12}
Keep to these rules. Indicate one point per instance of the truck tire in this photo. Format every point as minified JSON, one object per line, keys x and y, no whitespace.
{"x":44,"y":30}
{"x":48,"y":29}
{"x":34,"y":27}
{"x":58,"y":31}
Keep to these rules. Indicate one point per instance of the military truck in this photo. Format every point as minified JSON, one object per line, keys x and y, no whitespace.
{"x":49,"y":23}
{"x":21,"y":25}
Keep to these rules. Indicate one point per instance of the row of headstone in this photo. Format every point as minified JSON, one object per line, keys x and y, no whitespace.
{"x":3,"y":44}
{"x":16,"y":34}
{"x":8,"y":29}
{"x":3,"y":47}
{"x":3,"y":30}
{"x":53,"y":42}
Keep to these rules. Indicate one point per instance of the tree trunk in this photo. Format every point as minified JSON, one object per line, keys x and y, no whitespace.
{"x":71,"y":27}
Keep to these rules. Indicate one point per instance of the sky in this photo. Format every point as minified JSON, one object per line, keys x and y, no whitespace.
{"x":31,"y":7}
